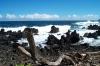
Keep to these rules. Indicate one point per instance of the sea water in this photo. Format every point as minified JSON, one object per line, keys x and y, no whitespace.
{"x":44,"y":28}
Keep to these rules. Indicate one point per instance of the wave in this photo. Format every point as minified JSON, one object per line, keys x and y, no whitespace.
{"x":87,"y":23}
{"x":44,"y":32}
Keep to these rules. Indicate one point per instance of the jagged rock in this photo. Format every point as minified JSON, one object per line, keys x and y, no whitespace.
{"x":52,"y":40}
{"x":91,"y":35}
{"x":2,"y":32}
{"x":74,"y":37}
{"x":65,"y":42}
{"x":54,"y":29}
{"x":93,"y":27}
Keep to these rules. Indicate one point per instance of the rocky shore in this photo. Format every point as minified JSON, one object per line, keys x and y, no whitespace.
{"x":10,"y":55}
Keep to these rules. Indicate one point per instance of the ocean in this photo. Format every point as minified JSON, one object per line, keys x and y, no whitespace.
{"x":45,"y":26}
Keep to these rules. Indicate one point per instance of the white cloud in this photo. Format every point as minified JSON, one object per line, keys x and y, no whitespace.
{"x":82,"y":17}
{"x":1,"y":16}
{"x":11,"y":16}
{"x":91,"y":16}
{"x":39,"y":16}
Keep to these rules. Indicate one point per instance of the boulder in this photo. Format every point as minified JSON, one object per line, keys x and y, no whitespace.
{"x":54,"y":29}
{"x":93,"y":27}
{"x":91,"y":35}
{"x":52,"y":40}
{"x":74,"y":37}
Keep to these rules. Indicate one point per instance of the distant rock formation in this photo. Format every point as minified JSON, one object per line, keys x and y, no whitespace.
{"x":93,"y":27}
{"x":54,"y":29}
{"x":95,"y":34}
{"x":91,"y":35}
{"x":65,"y":41}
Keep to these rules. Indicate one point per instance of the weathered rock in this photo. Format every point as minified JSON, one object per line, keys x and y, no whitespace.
{"x":91,"y":35}
{"x":52,"y":40}
{"x":74,"y":37}
{"x":93,"y":27}
{"x":65,"y":42}
{"x":54,"y":29}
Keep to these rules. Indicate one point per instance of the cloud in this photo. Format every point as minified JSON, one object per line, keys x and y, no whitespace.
{"x":1,"y":16}
{"x":11,"y":16}
{"x":91,"y":16}
{"x":82,"y":17}
{"x":39,"y":16}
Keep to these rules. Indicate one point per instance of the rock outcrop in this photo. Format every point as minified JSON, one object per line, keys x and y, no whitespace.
{"x":54,"y":29}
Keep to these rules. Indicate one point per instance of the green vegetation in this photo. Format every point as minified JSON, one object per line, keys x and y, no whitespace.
{"x":23,"y":65}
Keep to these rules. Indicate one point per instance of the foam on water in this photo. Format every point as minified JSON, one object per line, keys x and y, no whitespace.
{"x":91,"y":41}
{"x":44,"y":33}
{"x":13,"y":28}
{"x":87,"y":23}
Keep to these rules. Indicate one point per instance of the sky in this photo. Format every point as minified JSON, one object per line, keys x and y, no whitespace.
{"x":49,"y":9}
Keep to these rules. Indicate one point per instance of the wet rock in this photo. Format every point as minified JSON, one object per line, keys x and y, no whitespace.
{"x":91,"y":35}
{"x":93,"y":27}
{"x":54,"y":29}
{"x":52,"y":40}
{"x":65,"y":42}
{"x":74,"y":37}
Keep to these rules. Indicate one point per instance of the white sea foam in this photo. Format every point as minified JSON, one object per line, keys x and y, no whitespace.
{"x":91,"y":41}
{"x":14,"y":28}
{"x":87,"y":23}
{"x":44,"y":33}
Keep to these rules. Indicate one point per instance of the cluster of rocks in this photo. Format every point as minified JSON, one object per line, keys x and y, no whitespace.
{"x":91,"y":35}
{"x":10,"y":37}
{"x":6,"y":37}
{"x":93,"y":27}
{"x":95,"y":34}
{"x":64,"y":43}
{"x":54,"y":29}
{"x":9,"y":54}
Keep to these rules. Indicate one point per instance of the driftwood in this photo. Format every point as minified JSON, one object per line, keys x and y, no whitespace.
{"x":75,"y":59}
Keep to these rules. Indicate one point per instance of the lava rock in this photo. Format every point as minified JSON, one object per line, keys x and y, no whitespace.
{"x":93,"y":27}
{"x":74,"y":37}
{"x":54,"y":29}
{"x":91,"y":35}
{"x":52,"y":40}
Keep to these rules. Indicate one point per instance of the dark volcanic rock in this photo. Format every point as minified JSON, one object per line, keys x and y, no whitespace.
{"x":74,"y":37}
{"x":35,"y":31}
{"x":65,"y":42}
{"x":52,"y":40}
{"x":93,"y":27}
{"x":91,"y":35}
{"x":54,"y":29}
